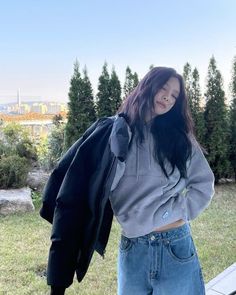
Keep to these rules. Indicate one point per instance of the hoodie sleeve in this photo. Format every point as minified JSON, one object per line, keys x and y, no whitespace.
{"x":192,"y":194}
{"x":199,"y":184}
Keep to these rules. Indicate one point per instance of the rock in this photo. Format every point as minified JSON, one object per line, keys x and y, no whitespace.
{"x":15,"y":200}
{"x":226,"y":180}
{"x":37,"y":179}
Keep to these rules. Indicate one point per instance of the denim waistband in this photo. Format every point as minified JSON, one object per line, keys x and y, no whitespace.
{"x":171,"y":234}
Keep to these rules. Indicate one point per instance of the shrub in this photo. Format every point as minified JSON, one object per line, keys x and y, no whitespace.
{"x":50,"y":149}
{"x":42,"y":154}
{"x":14,"y":139}
{"x":26,"y":149}
{"x":13,"y":171}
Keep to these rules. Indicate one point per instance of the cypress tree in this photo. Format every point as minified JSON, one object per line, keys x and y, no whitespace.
{"x":128,"y":85}
{"x":115,"y":89}
{"x":81,"y":111}
{"x":135,"y":80}
{"x":197,"y":109}
{"x":216,"y":123}
{"x":104,"y":106}
{"x":88,"y":114}
{"x":131,"y":81}
{"x":233,"y":119}
{"x":187,"y":76}
{"x":71,"y":129}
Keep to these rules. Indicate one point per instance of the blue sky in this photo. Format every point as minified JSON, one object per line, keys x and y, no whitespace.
{"x":40,"y":40}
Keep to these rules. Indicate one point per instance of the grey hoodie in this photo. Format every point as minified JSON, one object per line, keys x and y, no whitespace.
{"x":143,"y":198}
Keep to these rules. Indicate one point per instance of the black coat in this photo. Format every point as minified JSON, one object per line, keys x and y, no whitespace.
{"x":76,"y":199}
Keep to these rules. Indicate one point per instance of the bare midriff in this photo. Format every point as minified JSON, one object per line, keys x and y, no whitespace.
{"x":170,"y":225}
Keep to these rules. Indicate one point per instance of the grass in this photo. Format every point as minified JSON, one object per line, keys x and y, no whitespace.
{"x":25,"y":240}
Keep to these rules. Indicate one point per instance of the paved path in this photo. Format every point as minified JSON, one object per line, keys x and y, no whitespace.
{"x":224,"y":283}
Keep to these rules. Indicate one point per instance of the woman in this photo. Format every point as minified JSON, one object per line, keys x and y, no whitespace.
{"x":155,"y":179}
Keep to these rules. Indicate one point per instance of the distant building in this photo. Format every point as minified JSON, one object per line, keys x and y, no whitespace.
{"x":24,"y":108}
{"x":40,"y":108}
{"x":54,"y":108}
{"x":13,"y":109}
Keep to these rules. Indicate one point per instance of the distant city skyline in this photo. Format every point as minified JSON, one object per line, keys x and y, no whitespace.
{"x":13,"y":99}
{"x":30,"y":107}
{"x":41,"y":40}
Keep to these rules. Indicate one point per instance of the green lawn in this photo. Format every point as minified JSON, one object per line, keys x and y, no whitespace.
{"x":24,"y":244}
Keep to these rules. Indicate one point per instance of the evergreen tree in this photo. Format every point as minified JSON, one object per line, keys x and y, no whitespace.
{"x":81,"y":108}
{"x":128,"y":85}
{"x":88,"y":114}
{"x":104,"y":106}
{"x":135,"y":80}
{"x":216,"y":123}
{"x":131,"y":81}
{"x":115,"y":89}
{"x":187,"y":76}
{"x":233,"y":119}
{"x":71,"y":129}
{"x":197,"y":110}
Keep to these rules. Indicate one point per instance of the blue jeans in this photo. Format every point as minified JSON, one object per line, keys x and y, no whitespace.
{"x":160,"y":263}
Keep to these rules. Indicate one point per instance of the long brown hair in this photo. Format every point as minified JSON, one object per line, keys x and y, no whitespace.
{"x":172,"y":130}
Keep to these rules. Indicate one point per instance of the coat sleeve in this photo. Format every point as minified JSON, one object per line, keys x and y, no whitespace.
{"x":76,"y":210}
{"x":55,"y":180}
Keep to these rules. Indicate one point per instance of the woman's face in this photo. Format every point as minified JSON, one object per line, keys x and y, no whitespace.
{"x":165,"y":98}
